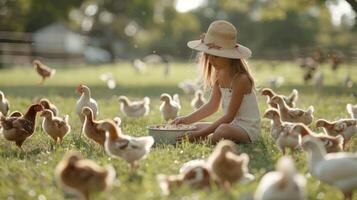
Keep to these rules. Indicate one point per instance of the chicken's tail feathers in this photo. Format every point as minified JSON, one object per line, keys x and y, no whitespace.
{"x":176,"y":98}
{"x":293,"y":97}
{"x":146,"y":100}
{"x":310,"y":110}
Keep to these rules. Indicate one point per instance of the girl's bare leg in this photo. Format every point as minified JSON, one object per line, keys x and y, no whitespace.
{"x":202,"y":125}
{"x":230,"y":132}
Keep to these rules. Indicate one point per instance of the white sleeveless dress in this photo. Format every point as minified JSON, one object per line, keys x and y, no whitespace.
{"x":248,"y":115}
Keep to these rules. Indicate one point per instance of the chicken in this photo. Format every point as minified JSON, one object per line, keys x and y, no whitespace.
{"x":347,"y":81}
{"x":18,"y":129}
{"x":197,"y":176}
{"x":131,"y":149}
{"x":336,"y":60}
{"x":16,"y":114}
{"x":170,"y":107}
{"x":335,"y":169}
{"x":199,"y":100}
{"x":4,"y":104}
{"x":54,"y":126}
{"x":285,"y":183}
{"x":85,"y":101}
{"x":277,"y":126}
{"x":345,"y":127}
{"x":331,"y":144}
{"x":139,"y":66}
{"x":109,"y":79}
{"x":275,"y":82}
{"x":227,"y":167}
{"x":134,"y":108}
{"x":43,"y":70}
{"x":83,"y":177}
{"x":90,"y":128}
{"x":290,"y":100}
{"x":188,"y":86}
{"x":319,"y":82}
{"x":352,"y":110}
{"x":293,"y":114}
{"x":46,"y":104}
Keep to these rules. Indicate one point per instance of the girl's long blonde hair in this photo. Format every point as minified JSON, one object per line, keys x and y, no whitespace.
{"x":209,"y":76}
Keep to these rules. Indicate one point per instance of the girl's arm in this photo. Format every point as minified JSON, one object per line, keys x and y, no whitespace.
{"x":240,"y":87}
{"x":206,"y":110}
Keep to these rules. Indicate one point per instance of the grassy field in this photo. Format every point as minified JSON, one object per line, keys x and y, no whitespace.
{"x":30,"y":174}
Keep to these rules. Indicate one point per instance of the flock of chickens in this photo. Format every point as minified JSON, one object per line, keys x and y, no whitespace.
{"x":223,"y":168}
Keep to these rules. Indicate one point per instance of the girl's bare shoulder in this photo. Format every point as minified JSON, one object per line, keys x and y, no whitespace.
{"x":243,"y":82}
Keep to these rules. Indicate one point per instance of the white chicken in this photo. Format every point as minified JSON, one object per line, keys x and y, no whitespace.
{"x":139,"y":66}
{"x":131,"y":149}
{"x":134,"y":108}
{"x":170,"y":107}
{"x":275,"y":82}
{"x":199,"y":100}
{"x":285,"y":183}
{"x":319,"y":82}
{"x":336,"y":169}
{"x":188,"y":86}
{"x":4,"y":104}
{"x":85,"y":101}
{"x":352,"y":110}
{"x":109,"y":79}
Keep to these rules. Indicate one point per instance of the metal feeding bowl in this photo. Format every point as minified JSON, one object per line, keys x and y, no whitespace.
{"x":167,"y":133}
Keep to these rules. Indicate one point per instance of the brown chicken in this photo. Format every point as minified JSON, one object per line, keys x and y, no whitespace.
{"x":83,"y":177}
{"x":345,"y":127}
{"x":289,"y":100}
{"x":227,"y":167}
{"x":43,"y":70}
{"x":197,"y":177}
{"x":55,"y":127}
{"x":331,"y":143}
{"x":294,"y":115}
{"x":48,"y":105}
{"x":90,"y":126}
{"x":18,"y":129}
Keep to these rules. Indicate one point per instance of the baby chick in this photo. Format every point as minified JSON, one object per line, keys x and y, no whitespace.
{"x":55,"y":127}
{"x":170,"y":107}
{"x":43,"y":70}
{"x":131,"y":149}
{"x":227,"y":167}
{"x":83,"y":177}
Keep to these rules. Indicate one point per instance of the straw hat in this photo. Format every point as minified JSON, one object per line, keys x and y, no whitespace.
{"x":221,"y":40}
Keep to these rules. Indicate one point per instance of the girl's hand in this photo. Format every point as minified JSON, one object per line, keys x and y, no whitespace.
{"x":190,"y":135}
{"x":180,"y":120}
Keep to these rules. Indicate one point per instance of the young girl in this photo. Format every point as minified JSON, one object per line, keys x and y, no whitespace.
{"x":227,"y":74}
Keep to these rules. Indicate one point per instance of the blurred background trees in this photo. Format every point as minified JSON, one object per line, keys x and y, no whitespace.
{"x":131,"y":28}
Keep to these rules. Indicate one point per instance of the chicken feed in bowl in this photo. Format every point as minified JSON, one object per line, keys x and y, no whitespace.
{"x":167,"y":133}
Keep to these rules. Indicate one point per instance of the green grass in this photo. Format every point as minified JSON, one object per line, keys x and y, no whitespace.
{"x":30,"y":175}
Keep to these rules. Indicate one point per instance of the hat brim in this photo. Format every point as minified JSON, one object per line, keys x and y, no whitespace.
{"x":240,"y":52}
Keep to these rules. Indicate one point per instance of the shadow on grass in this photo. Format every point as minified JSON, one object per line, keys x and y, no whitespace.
{"x":97,"y":91}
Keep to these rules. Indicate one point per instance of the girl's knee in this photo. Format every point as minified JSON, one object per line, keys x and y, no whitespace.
{"x":219,"y":133}
{"x":221,"y":129}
